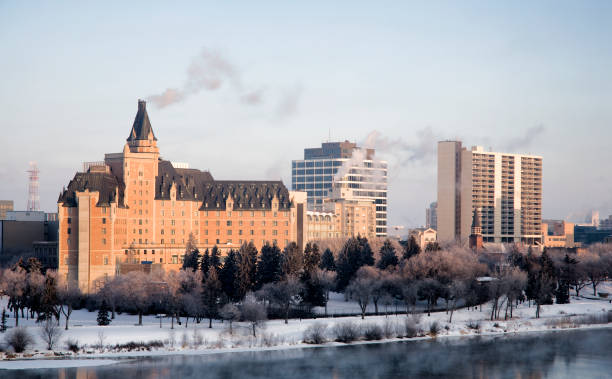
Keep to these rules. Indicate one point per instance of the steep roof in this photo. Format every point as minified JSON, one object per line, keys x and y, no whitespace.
{"x":188,"y":182}
{"x":476,"y":219}
{"x":142,"y":126}
{"x":247,"y":195}
{"x":108,"y":186}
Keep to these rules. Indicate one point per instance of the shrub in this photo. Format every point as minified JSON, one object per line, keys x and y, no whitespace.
{"x":602,"y":318}
{"x":72,"y":345}
{"x":434,"y":329}
{"x":474,"y":325}
{"x":315,"y":333}
{"x":388,"y":329}
{"x":346,"y":332}
{"x":411,"y":326}
{"x":372,"y":332}
{"x":129,"y":346}
{"x":19,"y":339}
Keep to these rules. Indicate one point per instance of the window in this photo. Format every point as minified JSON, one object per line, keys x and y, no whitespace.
{"x":229,"y":223}
{"x":252,"y":232}
{"x":69,"y":230}
{"x":162,"y":231}
{"x":162,"y":241}
{"x":240,"y":232}
{"x":161,"y":260}
{"x":104,"y":220}
{"x":153,"y":252}
{"x":140,"y":222}
{"x":103,"y":241}
{"x":69,"y":220}
{"x":229,"y":232}
{"x":105,"y":260}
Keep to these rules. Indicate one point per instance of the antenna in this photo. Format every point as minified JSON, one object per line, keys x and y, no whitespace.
{"x":33,"y":195}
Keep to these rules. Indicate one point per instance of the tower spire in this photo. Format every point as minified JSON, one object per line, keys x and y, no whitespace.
{"x":141,"y":129}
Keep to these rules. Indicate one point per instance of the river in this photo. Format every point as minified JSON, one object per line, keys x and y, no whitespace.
{"x":563,"y":354}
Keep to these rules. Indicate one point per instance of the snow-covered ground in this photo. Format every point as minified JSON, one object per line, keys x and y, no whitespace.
{"x":199,"y":339}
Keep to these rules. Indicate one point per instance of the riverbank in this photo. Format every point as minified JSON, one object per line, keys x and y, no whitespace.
{"x":123,"y":339}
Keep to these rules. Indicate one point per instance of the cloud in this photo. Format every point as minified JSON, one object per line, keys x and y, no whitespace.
{"x":253,"y":98}
{"x":208,"y":71}
{"x":289,"y":101}
{"x":525,"y":140}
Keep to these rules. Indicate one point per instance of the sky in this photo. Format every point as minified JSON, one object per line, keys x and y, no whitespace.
{"x":241,"y":88}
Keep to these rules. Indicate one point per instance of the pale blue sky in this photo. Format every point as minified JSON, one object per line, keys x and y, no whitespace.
{"x":486,"y":72}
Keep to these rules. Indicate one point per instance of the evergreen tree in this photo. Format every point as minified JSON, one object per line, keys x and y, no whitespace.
{"x":48,"y":301}
{"x":292,"y":260}
{"x":269,"y":268}
{"x":355,"y":253}
{"x":192,"y":255}
{"x":210,"y":295}
{"x":387,"y":256}
{"x":205,"y":264}
{"x":313,"y":292}
{"x":215,"y":258}
{"x":411,"y":248}
{"x":103,"y":317}
{"x":433,"y":246}
{"x":327,"y":261}
{"x":228,"y":276}
{"x":3,"y":326}
{"x":312,"y":257}
{"x":247,"y":275}
{"x":567,"y":278}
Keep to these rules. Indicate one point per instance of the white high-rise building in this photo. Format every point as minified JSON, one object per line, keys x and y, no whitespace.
{"x":505,"y":190}
{"x":342,"y":170}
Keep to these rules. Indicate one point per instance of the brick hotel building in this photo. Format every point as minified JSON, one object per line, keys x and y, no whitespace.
{"x":135,"y":208}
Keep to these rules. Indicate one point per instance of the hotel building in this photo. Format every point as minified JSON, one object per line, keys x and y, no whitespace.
{"x":505,"y":190}
{"x":136,"y":208}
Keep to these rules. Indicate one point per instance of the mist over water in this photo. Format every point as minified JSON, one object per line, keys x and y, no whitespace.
{"x":566,"y":354}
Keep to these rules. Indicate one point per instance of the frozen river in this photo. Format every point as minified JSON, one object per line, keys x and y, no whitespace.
{"x":566,"y":354}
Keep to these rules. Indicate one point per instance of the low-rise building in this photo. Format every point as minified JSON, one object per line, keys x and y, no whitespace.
{"x":424,"y":236}
{"x":5,"y":206}
{"x":343,"y":218}
{"x":558,"y":233}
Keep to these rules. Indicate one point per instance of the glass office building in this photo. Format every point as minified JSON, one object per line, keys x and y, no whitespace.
{"x":342,"y":170}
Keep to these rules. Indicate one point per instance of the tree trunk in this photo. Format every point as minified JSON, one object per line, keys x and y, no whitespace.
{"x":287,"y":315}
{"x":172,"y":318}
{"x":594,"y":288}
{"x":140,"y":318}
{"x":376,"y":307}
{"x":210,"y":322}
{"x":253,"y":324}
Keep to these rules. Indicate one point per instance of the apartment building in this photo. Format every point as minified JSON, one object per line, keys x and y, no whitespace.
{"x":505,"y":190}
{"x":342,"y":170}
{"x":136,"y":208}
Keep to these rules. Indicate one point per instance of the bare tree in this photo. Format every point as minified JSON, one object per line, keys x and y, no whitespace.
{"x":69,"y":296}
{"x":14,"y":286}
{"x":230,"y":313}
{"x":284,"y":294}
{"x":327,"y":280}
{"x":254,"y":313}
{"x":50,"y":333}
{"x":360,"y":289}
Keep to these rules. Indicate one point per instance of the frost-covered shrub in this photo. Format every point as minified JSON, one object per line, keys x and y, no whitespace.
{"x":434,"y":329}
{"x":474,"y":325}
{"x":388,"y":329}
{"x":372,"y":332}
{"x":411,"y":326}
{"x":346,"y":332}
{"x":316,"y":333}
{"x":19,"y":339}
{"x":72,"y":345}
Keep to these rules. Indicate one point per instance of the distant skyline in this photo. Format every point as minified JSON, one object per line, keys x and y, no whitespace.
{"x":241,"y":88}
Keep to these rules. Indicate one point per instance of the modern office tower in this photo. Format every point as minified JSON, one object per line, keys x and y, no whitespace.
{"x":505,"y":190}
{"x":342,"y":170}
{"x":137,"y":210}
{"x":431,"y":216}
